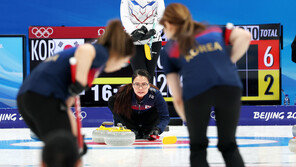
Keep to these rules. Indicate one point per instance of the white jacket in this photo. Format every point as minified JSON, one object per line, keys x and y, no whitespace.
{"x":136,"y":13}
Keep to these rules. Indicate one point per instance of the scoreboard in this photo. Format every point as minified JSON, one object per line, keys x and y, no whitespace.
{"x":259,"y":68}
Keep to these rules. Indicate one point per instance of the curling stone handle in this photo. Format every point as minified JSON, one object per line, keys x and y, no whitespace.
{"x":107,"y":123}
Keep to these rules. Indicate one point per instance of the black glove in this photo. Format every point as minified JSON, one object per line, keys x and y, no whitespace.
{"x":155,"y":131}
{"x":154,"y":134}
{"x":84,"y":150}
{"x":149,"y":34}
{"x":138,"y":134}
{"x":138,"y":34}
{"x":144,"y":29}
{"x":76,"y":88}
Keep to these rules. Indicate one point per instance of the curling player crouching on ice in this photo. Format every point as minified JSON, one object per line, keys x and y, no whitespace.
{"x":140,"y":107}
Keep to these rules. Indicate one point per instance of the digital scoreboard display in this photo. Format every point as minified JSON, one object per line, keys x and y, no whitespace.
{"x":259,"y":68}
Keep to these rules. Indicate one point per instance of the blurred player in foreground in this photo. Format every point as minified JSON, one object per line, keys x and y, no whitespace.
{"x":210,"y":79}
{"x":46,"y":95}
{"x":60,"y":150}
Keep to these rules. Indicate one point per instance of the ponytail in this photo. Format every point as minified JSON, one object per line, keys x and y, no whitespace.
{"x":186,"y":36}
{"x":186,"y":28}
{"x":116,"y":39}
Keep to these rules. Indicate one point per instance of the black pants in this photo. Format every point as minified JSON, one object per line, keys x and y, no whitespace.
{"x":227,"y":102}
{"x":141,"y":123}
{"x":43,"y":114}
{"x":139,"y":61}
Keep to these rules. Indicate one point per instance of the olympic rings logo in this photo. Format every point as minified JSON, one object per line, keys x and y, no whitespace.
{"x":82,"y":115}
{"x":42,"y":32}
{"x":101,"y":31}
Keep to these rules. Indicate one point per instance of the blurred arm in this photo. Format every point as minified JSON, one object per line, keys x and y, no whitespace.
{"x":84,"y":55}
{"x":174,"y":84}
{"x":240,"y":40}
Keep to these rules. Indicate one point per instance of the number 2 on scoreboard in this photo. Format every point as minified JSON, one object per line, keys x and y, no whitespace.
{"x":269,"y":84}
{"x":268,"y":91}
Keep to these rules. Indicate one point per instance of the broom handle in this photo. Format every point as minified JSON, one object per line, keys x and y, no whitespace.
{"x":73,"y":64}
{"x":151,"y":38}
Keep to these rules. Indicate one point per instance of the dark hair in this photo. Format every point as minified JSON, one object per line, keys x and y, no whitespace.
{"x":123,"y":98}
{"x":60,"y":149}
{"x":123,"y":101}
{"x":116,"y":39}
{"x":179,"y":15}
{"x":141,"y":72}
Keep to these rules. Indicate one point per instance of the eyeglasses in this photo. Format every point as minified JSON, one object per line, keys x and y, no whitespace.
{"x":143,"y":85}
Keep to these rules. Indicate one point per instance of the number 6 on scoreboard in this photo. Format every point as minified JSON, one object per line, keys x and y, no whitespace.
{"x":268,"y":55}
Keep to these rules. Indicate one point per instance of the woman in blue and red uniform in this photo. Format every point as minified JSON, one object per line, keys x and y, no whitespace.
{"x":199,"y":54}
{"x":140,"y":107}
{"x":46,"y":95}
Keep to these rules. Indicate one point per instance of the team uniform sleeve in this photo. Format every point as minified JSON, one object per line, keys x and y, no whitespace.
{"x":169,"y":64}
{"x":101,"y":56}
{"x":162,"y":108}
{"x":97,"y":64}
{"x":125,"y":17}
{"x":226,"y":35}
{"x":223,"y":30}
{"x":226,"y":31}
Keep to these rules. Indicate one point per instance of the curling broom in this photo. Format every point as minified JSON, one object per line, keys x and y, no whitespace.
{"x":147,"y":47}
{"x":73,"y":63}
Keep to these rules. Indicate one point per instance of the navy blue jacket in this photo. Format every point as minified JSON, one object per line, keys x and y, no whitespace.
{"x":206,"y":66}
{"x":53,"y":76}
{"x":153,"y":99}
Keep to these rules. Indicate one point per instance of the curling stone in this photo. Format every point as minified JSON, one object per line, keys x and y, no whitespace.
{"x":120,"y":136}
{"x":294,"y":130}
{"x":99,"y":134}
{"x":292,"y":145}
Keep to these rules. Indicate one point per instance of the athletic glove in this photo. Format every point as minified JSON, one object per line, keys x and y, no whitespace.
{"x":149,"y":34}
{"x":144,"y":29}
{"x":154,"y":134}
{"x":84,"y":150}
{"x":138,"y":34}
{"x":76,"y":88}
